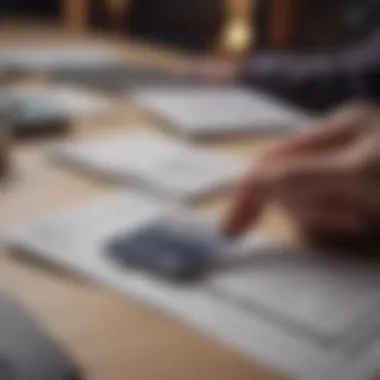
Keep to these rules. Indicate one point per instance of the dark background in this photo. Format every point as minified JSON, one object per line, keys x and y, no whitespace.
{"x":195,"y":24}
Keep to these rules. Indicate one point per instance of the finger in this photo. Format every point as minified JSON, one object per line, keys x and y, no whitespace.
{"x":249,"y":201}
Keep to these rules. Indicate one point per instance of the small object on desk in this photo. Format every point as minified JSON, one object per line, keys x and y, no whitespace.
{"x":65,"y":100}
{"x":26,"y":352}
{"x":36,"y":115}
{"x":177,"y":249}
{"x":218,"y":112}
{"x":51,"y":109}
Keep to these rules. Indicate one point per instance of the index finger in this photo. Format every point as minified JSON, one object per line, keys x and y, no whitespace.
{"x":250,"y":199}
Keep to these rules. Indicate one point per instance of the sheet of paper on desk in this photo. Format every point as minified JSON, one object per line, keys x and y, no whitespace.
{"x":306,"y":317}
{"x":67,"y":100}
{"x":52,"y":57}
{"x":160,"y":163}
{"x":120,"y":77}
{"x":197,"y":112}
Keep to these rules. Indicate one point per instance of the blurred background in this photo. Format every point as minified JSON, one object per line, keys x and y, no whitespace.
{"x":199,"y":25}
{"x":148,"y":31}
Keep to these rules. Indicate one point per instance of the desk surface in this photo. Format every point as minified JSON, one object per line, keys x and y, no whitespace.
{"x":112,"y":338}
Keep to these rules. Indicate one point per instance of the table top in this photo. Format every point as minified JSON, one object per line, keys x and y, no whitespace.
{"x":110,"y":337}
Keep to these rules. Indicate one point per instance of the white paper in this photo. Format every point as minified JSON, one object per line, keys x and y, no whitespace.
{"x":122,"y":77}
{"x":163,"y":164}
{"x":319,"y":298}
{"x":76,"y":239}
{"x":217,"y":111}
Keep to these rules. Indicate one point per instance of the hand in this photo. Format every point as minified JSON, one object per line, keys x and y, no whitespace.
{"x":209,"y":71}
{"x":326,"y":180}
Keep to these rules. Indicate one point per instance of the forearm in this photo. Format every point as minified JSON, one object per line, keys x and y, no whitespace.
{"x":317,"y":81}
{"x":311,"y":82}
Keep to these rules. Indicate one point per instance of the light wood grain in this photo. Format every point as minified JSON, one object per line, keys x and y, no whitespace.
{"x":111,"y":338}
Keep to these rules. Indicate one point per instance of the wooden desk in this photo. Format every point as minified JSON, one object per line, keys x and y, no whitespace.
{"x":112,"y":338}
